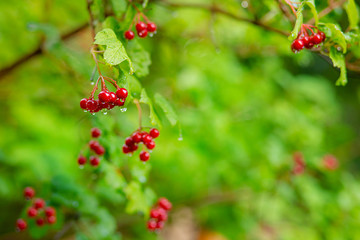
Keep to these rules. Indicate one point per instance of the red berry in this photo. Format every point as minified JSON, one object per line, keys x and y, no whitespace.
{"x":32,"y":212}
{"x":125,"y":149}
{"x":100,"y":150}
{"x":133,"y":148}
{"x":316,"y":39}
{"x":50,"y":211}
{"x":146,"y":138}
{"x":92,"y":105}
{"x":162,"y":215}
{"x":129,"y":141}
{"x":112,"y":97}
{"x":104,"y":105}
{"x":140,"y":26}
{"x":150,"y":145}
{"x":330,"y":162}
{"x":137,"y":137}
{"x":39,"y":203}
{"x":104,"y":96}
{"x":143,"y":33}
{"x":81,"y":160}
{"x":122,"y":93}
{"x":94,"y":161}
{"x":120,"y":102}
{"x":83,"y":103}
{"x":154,"y":133}
{"x":160,"y":225}
{"x":51,"y":219}
{"x":151,"y":225}
{"x":95,"y":132}
{"x":151,"y":27}
{"x":307,"y":42}
{"x":94,"y":144}
{"x":29,"y":192}
{"x":297,"y":45}
{"x":129,"y":35}
{"x":21,"y":224}
{"x":154,"y":213}
{"x":165,"y":204}
{"x":111,"y":105}
{"x":144,"y":156}
{"x":40,"y":222}
{"x":323,"y":36}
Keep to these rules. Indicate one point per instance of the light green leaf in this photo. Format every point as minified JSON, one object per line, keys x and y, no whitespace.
{"x":353,"y":14}
{"x":145,"y":3}
{"x":137,"y":202}
{"x":334,"y":33}
{"x":140,"y":58}
{"x":113,"y":178}
{"x":115,"y":52}
{"x":146,"y":100}
{"x":167,"y":108}
{"x":338,"y":60}
{"x":119,"y":7}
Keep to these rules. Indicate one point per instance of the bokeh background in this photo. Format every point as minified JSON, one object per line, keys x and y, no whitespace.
{"x":245,"y":104}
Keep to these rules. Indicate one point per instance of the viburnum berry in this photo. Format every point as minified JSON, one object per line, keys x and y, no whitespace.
{"x":99,"y":150}
{"x":323,"y":36}
{"x":137,"y":137}
{"x":129,"y":141}
{"x":129,"y":35}
{"x":95,"y":132}
{"x":81,"y":160}
{"x":154,"y":133}
{"x":160,"y":225}
{"x":297,"y":45}
{"x":143,"y":33}
{"x":165,"y":204}
{"x":144,"y":156}
{"x":133,"y":148}
{"x":126,"y":149}
{"x":94,"y":161}
{"x":152,"y":225}
{"x":316,"y":39}
{"x":154,"y":213}
{"x":91,"y":105}
{"x":112,"y":97}
{"x":39,"y":203}
{"x":94,"y":144}
{"x":29,"y":192}
{"x":299,"y":167}
{"x":119,"y":102}
{"x":159,"y":214}
{"x":122,"y":93}
{"x":50,"y":211}
{"x":162,"y":214}
{"x":140,"y":26}
{"x":104,"y":96}
{"x":150,"y":145}
{"x":83,"y":103}
{"x":51,"y":219}
{"x":146,"y":138}
{"x":21,"y":224}
{"x":330,"y":162}
{"x":32,"y":212}
{"x":40,"y":222}
{"x":151,"y":27}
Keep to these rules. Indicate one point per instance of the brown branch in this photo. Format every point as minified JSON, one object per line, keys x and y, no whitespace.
{"x":327,"y":10}
{"x":92,"y":20}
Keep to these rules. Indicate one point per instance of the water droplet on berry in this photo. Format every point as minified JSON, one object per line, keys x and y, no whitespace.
{"x":151,"y":34}
{"x":85,"y":111}
{"x":123,"y":109}
{"x":92,"y":83}
{"x":105,"y":112}
{"x":81,"y":166}
{"x":93,"y":114}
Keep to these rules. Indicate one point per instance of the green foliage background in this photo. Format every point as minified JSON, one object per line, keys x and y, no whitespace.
{"x":245,"y":103}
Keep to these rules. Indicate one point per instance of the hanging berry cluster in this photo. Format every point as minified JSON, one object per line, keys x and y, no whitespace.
{"x":307,"y":38}
{"x":95,"y":147}
{"x":299,"y":163}
{"x":159,"y":214}
{"x":132,"y":142}
{"x":37,"y":210}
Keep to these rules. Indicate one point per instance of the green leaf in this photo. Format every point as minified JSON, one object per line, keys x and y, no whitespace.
{"x":145,"y":3}
{"x":115,"y":52}
{"x":112,"y":177}
{"x":146,"y":100}
{"x":167,"y":108}
{"x":137,"y":201}
{"x":119,"y":7}
{"x":334,"y":33}
{"x":140,"y":58}
{"x":338,"y":60}
{"x":353,"y":14}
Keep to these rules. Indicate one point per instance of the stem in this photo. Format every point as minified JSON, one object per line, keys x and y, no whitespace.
{"x":92,"y":21}
{"x":94,"y":89}
{"x":291,"y":6}
{"x":137,"y":103}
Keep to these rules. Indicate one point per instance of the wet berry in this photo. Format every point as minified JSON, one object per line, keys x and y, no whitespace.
{"x":50,"y":211}
{"x":137,"y":137}
{"x":150,"y":145}
{"x":140,"y":26}
{"x":122,"y":93}
{"x":129,"y":35}
{"x":154,"y":133}
{"x":94,"y":161}
{"x":151,"y":225}
{"x":32,"y":212}
{"x":143,"y":33}
{"x":29,"y":192}
{"x":316,"y":39}
{"x":21,"y":224}
{"x":95,"y":132}
{"x":126,"y":149}
{"x":165,"y":204}
{"x":144,"y":156}
{"x":151,"y":27}
{"x":39,"y":203}
{"x":81,"y":160}
{"x":83,"y":103}
{"x":297,"y":45}
{"x":146,"y":138}
{"x":104,"y":96}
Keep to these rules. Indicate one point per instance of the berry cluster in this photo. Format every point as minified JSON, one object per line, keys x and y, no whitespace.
{"x":159,"y":214}
{"x":306,"y":40}
{"x":106,"y":100}
{"x":131,"y":143}
{"x":38,"y":211}
{"x":299,"y":163}
{"x":142,"y":30}
{"x":94,"y":147}
{"x":330,"y":162}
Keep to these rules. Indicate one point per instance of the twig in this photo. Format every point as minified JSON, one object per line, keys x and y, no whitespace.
{"x":92,"y":20}
{"x":327,"y":10}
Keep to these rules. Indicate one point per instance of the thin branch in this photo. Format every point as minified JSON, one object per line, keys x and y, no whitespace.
{"x":92,"y":20}
{"x":326,"y":11}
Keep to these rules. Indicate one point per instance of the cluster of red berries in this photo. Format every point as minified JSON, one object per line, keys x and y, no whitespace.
{"x":159,"y":214}
{"x":299,"y":163}
{"x":106,"y":100}
{"x":330,"y":162}
{"x":304,"y":40}
{"x":94,"y":147}
{"x":38,"y":210}
{"x":142,"y":30}
{"x":131,"y":143}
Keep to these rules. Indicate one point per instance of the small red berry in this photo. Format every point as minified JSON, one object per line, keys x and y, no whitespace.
{"x":140,"y":26}
{"x":165,"y":204}
{"x":133,"y":148}
{"x":154,"y":133}
{"x":104,"y":96}
{"x":21,"y":224}
{"x":297,"y":45}
{"x":129,"y":141}
{"x":146,"y":138}
{"x":122,"y":93}
{"x":112,"y":97}
{"x":50,"y":211}
{"x":94,"y":144}
{"x":162,"y":215}
{"x":143,"y":33}
{"x":29,"y":192}
{"x":39,"y":203}
{"x":120,"y":102}
{"x":51,"y":219}
{"x":316,"y":39}
{"x":160,"y":225}
{"x":144,"y":156}
{"x":92,"y":105}
{"x":137,"y":137}
{"x":40,"y":222}
{"x":330,"y":162}
{"x":32,"y":212}
{"x":154,"y":213}
{"x":95,"y":132}
{"x":151,"y":27}
{"x":81,"y":160}
{"x":323,"y":36}
{"x":150,"y":145}
{"x":307,"y":42}
{"x":104,"y":105}
{"x":94,"y":161}
{"x":83,"y":103}
{"x":151,"y":225}
{"x":100,"y":150}
{"x":125,"y":149}
{"x":129,"y":35}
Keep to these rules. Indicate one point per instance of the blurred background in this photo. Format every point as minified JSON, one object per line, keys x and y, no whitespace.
{"x":245,"y":104}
